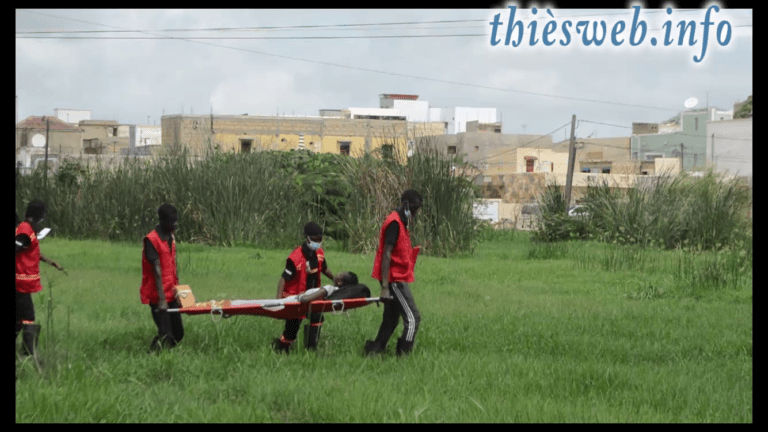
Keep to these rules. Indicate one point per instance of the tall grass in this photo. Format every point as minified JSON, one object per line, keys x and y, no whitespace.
{"x":261,"y":198}
{"x":672,"y":211}
{"x":445,"y":225}
{"x":222,"y":199}
{"x":667,"y":211}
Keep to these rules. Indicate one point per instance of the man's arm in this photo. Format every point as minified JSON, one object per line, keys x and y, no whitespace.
{"x":51,"y":262}
{"x":288,"y":274}
{"x":326,"y":271}
{"x":386,"y":259}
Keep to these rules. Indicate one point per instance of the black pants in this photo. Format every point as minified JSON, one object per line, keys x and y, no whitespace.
{"x":169,"y":325}
{"x":25,"y":308}
{"x":402,"y":305}
{"x":292,"y":326}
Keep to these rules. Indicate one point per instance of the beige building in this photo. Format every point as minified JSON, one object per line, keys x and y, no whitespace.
{"x":62,"y":139}
{"x":245,"y":133}
{"x":492,"y":153}
{"x":104,"y":136}
{"x":598,"y":155}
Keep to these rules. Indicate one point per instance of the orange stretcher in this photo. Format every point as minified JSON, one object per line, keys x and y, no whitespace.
{"x":287,"y":308}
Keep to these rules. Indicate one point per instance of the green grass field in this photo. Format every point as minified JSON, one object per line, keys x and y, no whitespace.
{"x":504,"y":338}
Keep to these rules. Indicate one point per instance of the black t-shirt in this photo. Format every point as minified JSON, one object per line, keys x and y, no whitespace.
{"x":392,"y":231}
{"x":309,"y":255}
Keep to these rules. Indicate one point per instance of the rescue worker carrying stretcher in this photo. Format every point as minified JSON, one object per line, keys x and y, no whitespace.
{"x":302,"y":271}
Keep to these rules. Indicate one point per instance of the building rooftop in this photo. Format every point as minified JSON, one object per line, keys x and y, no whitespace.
{"x":34,"y":122}
{"x":400,"y":96}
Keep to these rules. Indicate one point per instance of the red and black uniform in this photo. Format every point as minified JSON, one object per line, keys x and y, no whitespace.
{"x":395,"y":232}
{"x":165,"y":251}
{"x":27,"y":272}
{"x":155,"y":249}
{"x":303,"y":270}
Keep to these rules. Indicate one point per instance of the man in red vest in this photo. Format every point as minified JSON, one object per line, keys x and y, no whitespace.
{"x":28,"y":259}
{"x":159,"y":277}
{"x":302,"y":271}
{"x":393,"y":267}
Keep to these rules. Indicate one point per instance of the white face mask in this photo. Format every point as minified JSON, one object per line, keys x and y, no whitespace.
{"x":313,"y":245}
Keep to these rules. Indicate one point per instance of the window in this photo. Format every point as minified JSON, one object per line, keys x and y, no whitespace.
{"x":606,"y":170}
{"x":344,"y":147}
{"x":245,"y":145}
{"x":451,"y":149}
{"x":696,"y":123}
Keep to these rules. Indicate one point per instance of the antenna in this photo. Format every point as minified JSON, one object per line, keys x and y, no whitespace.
{"x":691,"y":102}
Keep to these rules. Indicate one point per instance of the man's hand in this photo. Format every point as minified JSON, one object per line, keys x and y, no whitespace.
{"x":162,"y":305}
{"x":385,"y":295}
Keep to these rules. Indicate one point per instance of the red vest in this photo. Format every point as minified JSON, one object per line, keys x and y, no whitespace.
{"x":28,"y":262}
{"x":403,"y":255}
{"x":148,"y":290}
{"x":298,"y":284}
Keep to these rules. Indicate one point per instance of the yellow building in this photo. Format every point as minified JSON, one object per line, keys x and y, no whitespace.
{"x":245,"y":133}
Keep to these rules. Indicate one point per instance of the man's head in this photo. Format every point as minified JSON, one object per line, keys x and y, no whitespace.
{"x":314,"y":235}
{"x":36,"y":211}
{"x":345,"y":278}
{"x":168,"y":217}
{"x":411,"y":202}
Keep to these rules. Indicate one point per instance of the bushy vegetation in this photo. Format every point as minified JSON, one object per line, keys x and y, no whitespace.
{"x":695,"y":213}
{"x":259,"y":199}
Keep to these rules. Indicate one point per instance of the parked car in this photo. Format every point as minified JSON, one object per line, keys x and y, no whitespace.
{"x":578,"y":211}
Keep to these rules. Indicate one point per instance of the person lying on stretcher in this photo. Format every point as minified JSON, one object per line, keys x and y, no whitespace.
{"x":345,"y":286}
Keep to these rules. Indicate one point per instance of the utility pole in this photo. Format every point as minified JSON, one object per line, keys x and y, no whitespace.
{"x":681,"y":157}
{"x":571,"y":163}
{"x":45,"y":165}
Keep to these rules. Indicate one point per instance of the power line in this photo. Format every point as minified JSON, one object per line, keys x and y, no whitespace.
{"x":383,"y":72}
{"x":247,"y":37}
{"x":319,"y":26}
{"x":258,"y":37}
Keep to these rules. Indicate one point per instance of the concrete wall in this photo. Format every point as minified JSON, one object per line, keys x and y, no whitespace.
{"x":729,"y":146}
{"x":319,"y":134}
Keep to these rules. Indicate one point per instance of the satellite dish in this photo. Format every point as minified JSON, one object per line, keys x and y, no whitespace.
{"x":38,"y":140}
{"x":691,"y":102}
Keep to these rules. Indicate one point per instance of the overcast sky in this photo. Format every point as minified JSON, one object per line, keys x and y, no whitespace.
{"x":535,"y":89}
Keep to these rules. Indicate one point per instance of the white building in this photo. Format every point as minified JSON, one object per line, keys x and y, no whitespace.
{"x":455,"y":119}
{"x":142,"y":137}
{"x":376,"y":113}
{"x":729,"y":146}
{"x":72,"y":115}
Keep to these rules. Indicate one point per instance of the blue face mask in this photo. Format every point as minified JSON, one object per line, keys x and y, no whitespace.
{"x":313,"y":245}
